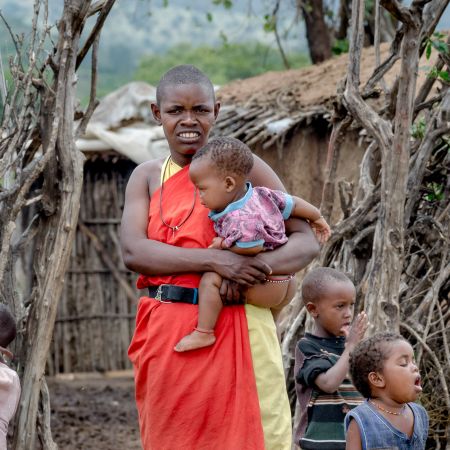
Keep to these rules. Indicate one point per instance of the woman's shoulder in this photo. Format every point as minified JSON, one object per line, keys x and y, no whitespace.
{"x":150,"y":167}
{"x":146,"y":175}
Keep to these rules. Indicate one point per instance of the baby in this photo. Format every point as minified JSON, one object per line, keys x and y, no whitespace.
{"x":384,"y":370}
{"x":248,"y":220}
{"x":9,"y":380}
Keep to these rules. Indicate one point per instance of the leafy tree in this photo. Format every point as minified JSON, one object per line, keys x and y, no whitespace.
{"x":223,"y":64}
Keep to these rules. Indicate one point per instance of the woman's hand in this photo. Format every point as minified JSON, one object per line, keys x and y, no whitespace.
{"x":243,"y":270}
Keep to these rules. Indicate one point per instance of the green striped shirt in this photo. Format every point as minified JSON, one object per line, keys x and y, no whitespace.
{"x":321,"y":425}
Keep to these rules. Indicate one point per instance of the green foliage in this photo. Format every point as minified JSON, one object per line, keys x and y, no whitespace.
{"x":222,"y":64}
{"x":340,"y":46}
{"x":418,"y":128}
{"x":435,"y":192}
{"x":226,"y":3}
{"x":437,"y":42}
{"x":270,"y":22}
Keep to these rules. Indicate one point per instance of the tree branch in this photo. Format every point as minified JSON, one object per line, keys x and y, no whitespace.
{"x":400,"y":12}
{"x":105,"y":9}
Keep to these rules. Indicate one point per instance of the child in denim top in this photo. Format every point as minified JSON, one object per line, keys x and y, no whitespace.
{"x":383,"y":369}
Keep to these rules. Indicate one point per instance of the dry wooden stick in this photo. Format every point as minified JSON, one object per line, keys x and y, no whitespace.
{"x":107,"y":260}
{"x":440,"y":370}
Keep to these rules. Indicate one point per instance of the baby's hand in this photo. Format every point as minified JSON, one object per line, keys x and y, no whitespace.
{"x":358,"y":329}
{"x":321,"y":229}
{"x":216,"y":243}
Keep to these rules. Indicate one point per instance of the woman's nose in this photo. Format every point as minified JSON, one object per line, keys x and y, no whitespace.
{"x":189,"y":117}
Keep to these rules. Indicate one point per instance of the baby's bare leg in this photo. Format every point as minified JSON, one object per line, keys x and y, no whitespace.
{"x":209,"y":307}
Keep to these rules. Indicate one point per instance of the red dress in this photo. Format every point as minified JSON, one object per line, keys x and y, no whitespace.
{"x":199,"y":400}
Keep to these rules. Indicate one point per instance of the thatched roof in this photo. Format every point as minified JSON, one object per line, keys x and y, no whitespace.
{"x":263,"y":109}
{"x":123,"y":122}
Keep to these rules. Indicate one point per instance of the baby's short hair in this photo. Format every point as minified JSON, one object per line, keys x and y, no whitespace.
{"x":316,"y":281}
{"x":183,"y":74}
{"x":369,"y":356}
{"x":8,"y":328}
{"x":229,"y":155}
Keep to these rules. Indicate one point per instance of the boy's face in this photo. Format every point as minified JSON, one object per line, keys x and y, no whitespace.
{"x":213,"y":187}
{"x":333,"y":312}
{"x":187,"y":112}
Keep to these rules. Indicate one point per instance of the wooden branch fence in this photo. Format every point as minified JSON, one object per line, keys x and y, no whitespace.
{"x":96,"y":313}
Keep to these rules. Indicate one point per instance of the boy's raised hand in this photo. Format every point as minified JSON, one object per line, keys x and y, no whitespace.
{"x":358,"y":329}
{"x":321,"y":229}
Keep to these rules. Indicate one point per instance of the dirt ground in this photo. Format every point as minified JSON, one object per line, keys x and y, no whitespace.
{"x":94,"y":414}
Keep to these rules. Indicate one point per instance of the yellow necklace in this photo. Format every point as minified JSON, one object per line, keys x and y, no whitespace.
{"x":400,"y":413}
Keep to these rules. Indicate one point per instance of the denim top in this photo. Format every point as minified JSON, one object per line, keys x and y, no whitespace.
{"x":378,"y":434}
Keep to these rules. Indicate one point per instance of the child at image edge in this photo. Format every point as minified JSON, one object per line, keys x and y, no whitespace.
{"x":248,"y":220}
{"x":385,"y":372}
{"x":324,"y":390}
{"x":9,"y":380}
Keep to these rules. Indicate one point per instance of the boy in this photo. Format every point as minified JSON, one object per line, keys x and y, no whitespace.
{"x":9,"y":380}
{"x":322,"y":360}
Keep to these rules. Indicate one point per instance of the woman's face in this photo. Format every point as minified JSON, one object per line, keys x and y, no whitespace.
{"x":187,"y":112}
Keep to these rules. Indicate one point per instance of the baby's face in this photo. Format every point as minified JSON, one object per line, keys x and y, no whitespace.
{"x":210,"y":183}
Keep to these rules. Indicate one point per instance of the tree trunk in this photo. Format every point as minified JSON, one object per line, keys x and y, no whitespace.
{"x":39,"y":157}
{"x":317,"y":33}
{"x":394,"y":237}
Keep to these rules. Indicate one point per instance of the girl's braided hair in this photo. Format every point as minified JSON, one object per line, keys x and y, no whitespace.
{"x":369,"y":356}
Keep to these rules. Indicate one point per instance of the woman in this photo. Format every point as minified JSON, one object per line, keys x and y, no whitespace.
{"x":231,"y":395}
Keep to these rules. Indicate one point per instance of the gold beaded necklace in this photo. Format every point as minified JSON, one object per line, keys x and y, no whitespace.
{"x":400,"y":413}
{"x":176,"y":227}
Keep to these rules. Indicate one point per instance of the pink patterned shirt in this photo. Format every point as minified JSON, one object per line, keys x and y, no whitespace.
{"x":255,"y":219}
{"x":9,"y":399}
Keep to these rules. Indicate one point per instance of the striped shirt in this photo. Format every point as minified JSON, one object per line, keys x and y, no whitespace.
{"x":321,"y":425}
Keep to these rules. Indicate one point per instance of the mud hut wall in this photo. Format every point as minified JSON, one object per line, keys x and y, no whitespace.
{"x":95,"y":319}
{"x":301,"y":162}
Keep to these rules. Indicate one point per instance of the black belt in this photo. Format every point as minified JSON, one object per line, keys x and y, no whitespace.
{"x":171,"y":293}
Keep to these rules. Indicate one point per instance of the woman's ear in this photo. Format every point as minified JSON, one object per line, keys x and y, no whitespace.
{"x":156,"y":113}
{"x":230,"y":183}
{"x":376,"y":379}
{"x":216,"y":110}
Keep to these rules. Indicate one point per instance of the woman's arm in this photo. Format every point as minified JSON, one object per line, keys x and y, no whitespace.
{"x":150,"y":257}
{"x":302,"y":246}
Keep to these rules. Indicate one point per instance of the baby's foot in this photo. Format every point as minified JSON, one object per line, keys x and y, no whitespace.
{"x":197,"y":339}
